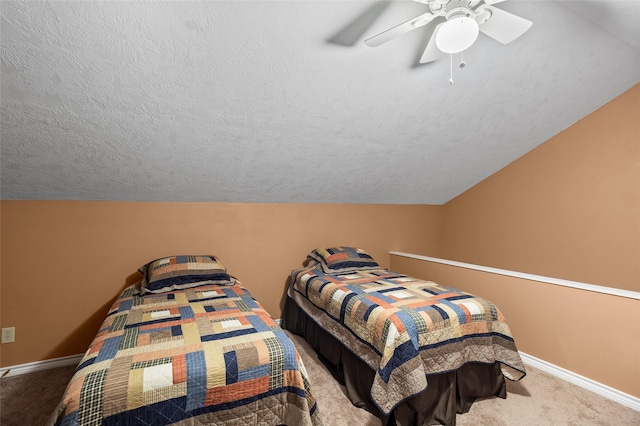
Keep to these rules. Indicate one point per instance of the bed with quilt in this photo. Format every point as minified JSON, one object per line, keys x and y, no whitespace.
{"x":188,"y":346}
{"x":410,"y":351}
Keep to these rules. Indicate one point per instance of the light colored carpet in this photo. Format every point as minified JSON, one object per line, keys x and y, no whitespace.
{"x":539,"y":399}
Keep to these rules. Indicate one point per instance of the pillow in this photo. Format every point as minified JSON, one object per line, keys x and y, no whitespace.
{"x":180,"y":272}
{"x":343,"y":259}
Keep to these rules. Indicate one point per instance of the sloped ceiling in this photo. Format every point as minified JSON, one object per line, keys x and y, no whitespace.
{"x":280,"y":101}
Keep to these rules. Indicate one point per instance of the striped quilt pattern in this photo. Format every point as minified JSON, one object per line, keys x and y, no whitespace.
{"x":204,"y":355}
{"x":405,"y":328}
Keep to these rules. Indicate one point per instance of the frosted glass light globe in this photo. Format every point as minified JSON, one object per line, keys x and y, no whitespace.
{"x":457,"y":34}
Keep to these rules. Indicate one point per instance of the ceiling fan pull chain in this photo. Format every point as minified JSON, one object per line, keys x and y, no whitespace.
{"x":450,"y":68}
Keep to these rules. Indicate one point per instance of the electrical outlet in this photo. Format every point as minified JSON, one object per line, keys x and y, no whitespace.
{"x":8,"y":335}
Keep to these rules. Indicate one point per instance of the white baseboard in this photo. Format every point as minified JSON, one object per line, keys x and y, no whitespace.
{"x":31,"y":367}
{"x":578,"y":380}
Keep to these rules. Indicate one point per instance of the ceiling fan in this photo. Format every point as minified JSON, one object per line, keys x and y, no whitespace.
{"x":459,"y":22}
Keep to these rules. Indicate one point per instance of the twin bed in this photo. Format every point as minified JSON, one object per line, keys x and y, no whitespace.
{"x":189,"y":345}
{"x":410,"y":351}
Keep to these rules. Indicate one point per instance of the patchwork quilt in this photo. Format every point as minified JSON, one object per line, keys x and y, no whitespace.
{"x":204,"y":355}
{"x":404,"y":328}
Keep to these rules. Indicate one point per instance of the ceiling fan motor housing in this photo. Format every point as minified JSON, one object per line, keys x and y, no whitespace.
{"x":452,"y":9}
{"x":456,"y":9}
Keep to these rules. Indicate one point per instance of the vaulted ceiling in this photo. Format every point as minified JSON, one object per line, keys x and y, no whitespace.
{"x":281,"y":101}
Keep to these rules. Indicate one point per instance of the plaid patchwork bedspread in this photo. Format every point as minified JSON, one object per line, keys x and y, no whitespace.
{"x":206,"y":355}
{"x":405,"y":328}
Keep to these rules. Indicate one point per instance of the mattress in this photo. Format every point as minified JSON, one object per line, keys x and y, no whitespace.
{"x":209,"y":354}
{"x":405,"y":329}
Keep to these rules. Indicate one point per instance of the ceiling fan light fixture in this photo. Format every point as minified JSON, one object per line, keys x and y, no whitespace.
{"x":457,"y":34}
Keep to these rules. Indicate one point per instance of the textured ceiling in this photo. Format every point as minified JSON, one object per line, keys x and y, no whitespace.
{"x":281,"y":101}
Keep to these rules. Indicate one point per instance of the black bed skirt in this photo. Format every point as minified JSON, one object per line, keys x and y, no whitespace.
{"x":447,"y":393}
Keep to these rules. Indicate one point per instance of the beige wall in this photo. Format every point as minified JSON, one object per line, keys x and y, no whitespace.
{"x":592,"y":334}
{"x":568,"y":209}
{"x":64,"y":262}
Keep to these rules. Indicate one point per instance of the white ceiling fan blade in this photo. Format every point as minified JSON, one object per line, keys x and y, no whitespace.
{"x":490,"y":2}
{"x":399,"y":30}
{"x":431,"y":52}
{"x":504,"y":26}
